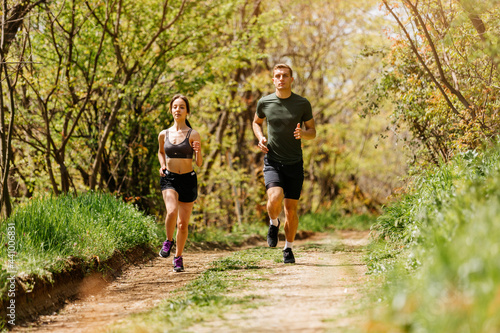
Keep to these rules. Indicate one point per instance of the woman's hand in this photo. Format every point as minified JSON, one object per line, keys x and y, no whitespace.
{"x":196,"y":146}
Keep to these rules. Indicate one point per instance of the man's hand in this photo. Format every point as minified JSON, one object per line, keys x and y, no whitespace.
{"x":298,"y":132}
{"x":263,"y":145}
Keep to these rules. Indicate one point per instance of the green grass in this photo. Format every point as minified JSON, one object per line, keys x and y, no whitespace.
{"x":332,"y":220}
{"x":439,"y":249}
{"x":50,"y":230}
{"x":235,"y":237}
{"x":328,"y":221}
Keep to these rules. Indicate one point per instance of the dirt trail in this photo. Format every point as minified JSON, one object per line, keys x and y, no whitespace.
{"x":313,"y":295}
{"x":317,"y":294}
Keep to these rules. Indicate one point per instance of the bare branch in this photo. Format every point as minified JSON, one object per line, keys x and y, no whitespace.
{"x":439,"y":66}
{"x":421,"y":60}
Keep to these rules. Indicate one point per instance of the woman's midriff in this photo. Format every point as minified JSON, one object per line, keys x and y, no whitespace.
{"x":179,"y":165}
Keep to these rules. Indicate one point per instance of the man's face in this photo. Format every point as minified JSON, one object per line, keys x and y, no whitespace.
{"x":282,"y":79}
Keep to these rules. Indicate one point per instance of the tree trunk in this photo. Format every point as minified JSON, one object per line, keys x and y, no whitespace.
{"x":12,"y":20}
{"x":102,"y":143}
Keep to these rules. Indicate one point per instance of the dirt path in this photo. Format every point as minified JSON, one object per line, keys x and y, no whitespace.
{"x":317,"y":294}
{"x":137,"y":289}
{"x":313,"y":295}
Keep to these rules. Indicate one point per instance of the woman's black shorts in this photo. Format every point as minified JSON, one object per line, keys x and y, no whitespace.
{"x":289,"y":177}
{"x":186,"y":185}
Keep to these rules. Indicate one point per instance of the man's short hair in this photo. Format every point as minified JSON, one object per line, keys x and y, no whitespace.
{"x":283,"y":66}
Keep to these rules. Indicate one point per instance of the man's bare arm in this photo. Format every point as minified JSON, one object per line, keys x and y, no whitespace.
{"x":259,"y":133}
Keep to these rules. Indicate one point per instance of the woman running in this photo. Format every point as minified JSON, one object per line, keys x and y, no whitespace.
{"x":179,"y":184}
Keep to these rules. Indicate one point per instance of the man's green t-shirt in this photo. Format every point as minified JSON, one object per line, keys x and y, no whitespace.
{"x":282,"y":116}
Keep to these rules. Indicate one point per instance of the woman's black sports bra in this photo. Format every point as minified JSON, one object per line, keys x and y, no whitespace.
{"x":181,"y":150}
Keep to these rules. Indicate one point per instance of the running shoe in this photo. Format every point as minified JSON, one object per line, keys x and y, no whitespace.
{"x":178,"y":265}
{"x":288,"y":257}
{"x":165,"y":249}
{"x":272,"y":235}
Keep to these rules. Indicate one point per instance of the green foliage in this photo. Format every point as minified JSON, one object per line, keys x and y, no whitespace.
{"x":428,"y":78}
{"x":439,"y":248}
{"x":95,"y":96}
{"x":49,"y":231}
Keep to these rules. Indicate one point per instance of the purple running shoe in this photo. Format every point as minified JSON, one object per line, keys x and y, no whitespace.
{"x":165,"y":249}
{"x":178,"y":264}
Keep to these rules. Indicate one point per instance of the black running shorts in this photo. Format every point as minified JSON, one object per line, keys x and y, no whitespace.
{"x":186,"y":185}
{"x":289,"y":177}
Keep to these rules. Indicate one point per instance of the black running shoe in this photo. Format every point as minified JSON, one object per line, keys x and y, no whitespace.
{"x":178,"y":264}
{"x":272,"y":235}
{"x":165,"y":249}
{"x":288,"y":257}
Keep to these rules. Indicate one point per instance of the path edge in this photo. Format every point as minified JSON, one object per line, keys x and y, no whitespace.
{"x":36,"y":296}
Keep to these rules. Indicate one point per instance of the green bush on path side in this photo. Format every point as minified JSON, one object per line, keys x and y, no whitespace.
{"x":439,"y":251}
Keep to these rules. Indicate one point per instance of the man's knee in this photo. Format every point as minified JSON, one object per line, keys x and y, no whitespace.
{"x":291,"y":206}
{"x":275,"y":195}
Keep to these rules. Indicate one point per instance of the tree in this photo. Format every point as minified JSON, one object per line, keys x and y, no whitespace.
{"x":445,"y":73}
{"x":13,"y":16}
{"x":96,"y":94}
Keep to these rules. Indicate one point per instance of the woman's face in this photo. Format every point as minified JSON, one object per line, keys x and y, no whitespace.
{"x":179,"y":109}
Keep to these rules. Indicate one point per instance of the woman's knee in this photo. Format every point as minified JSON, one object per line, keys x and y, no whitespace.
{"x":182,"y":225}
{"x":172,"y":212}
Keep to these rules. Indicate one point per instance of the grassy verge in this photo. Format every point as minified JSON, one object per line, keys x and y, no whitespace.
{"x":237,"y":235}
{"x":208,"y":297}
{"x":332,"y":220}
{"x":438,"y":251}
{"x":50,"y":230}
{"x":327,"y":221}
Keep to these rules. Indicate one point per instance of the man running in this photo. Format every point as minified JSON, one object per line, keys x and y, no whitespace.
{"x":285,"y":112}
